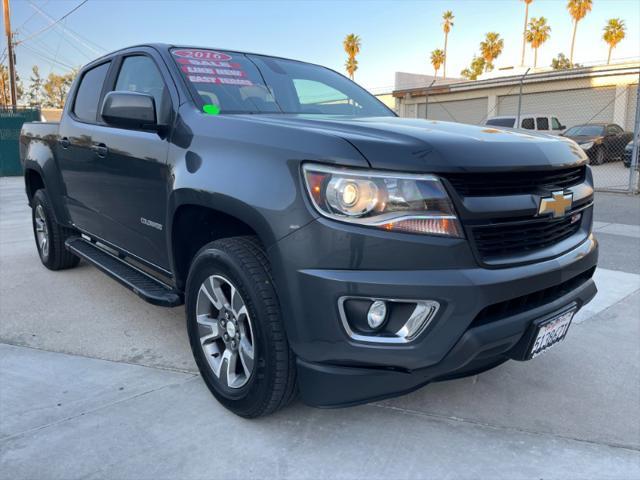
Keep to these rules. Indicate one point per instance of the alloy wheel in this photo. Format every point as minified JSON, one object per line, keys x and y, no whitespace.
{"x":225,"y":331}
{"x":42,"y":231}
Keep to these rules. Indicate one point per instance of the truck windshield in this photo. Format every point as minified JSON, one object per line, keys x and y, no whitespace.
{"x":229,"y":82}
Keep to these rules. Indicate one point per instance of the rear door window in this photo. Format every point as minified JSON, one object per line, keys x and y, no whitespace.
{"x":528,"y":124}
{"x":85,"y":106}
{"x":542,"y":123}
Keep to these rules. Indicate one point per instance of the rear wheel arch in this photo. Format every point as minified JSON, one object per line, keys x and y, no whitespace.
{"x":33,"y":181}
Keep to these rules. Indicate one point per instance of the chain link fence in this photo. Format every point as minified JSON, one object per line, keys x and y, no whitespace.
{"x":599,"y":114}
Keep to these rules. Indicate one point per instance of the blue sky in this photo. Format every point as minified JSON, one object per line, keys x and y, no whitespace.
{"x":396,"y":35}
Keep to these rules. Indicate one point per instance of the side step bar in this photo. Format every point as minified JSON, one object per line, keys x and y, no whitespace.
{"x":141,"y":283}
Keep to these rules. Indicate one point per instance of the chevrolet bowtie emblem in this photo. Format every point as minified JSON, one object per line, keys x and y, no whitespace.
{"x":558,"y":204}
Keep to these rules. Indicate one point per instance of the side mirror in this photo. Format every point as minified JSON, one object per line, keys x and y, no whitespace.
{"x":562,"y":127}
{"x":130,"y":110}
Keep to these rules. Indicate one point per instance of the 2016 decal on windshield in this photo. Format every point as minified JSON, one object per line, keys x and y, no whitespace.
{"x":201,"y":54}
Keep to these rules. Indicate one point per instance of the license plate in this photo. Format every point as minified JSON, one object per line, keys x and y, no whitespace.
{"x":551,"y":332}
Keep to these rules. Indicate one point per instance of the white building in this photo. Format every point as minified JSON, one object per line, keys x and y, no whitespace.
{"x":606,"y":93}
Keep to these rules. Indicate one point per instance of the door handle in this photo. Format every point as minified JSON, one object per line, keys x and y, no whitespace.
{"x":64,"y":142}
{"x":100,"y":149}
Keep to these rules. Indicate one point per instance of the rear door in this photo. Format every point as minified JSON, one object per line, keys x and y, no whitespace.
{"x":75,"y":151}
{"x":527,"y":123}
{"x":542,"y":124}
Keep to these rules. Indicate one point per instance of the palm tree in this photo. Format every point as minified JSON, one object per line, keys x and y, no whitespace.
{"x":491,"y":48}
{"x":614,"y":32}
{"x":537,"y":33}
{"x":524,"y":30}
{"x":351,"y":65}
{"x":447,"y":23}
{"x":578,"y":9}
{"x":437,"y":60}
{"x":351,"y":44}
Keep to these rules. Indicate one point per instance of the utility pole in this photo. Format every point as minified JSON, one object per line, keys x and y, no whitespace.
{"x":520,"y":99}
{"x":12,"y":66}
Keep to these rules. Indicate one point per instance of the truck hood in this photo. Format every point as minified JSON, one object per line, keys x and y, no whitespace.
{"x":415,"y":145}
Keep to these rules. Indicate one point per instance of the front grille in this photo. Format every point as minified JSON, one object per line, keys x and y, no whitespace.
{"x":514,"y":183}
{"x":517,"y":238}
{"x":517,"y":305}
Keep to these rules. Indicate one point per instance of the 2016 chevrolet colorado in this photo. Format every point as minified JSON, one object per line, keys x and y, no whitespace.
{"x":320,"y":243}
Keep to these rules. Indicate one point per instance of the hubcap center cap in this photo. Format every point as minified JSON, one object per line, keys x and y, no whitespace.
{"x":231,"y":329}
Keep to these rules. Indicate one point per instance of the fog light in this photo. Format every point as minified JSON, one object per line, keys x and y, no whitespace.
{"x":377,"y":314}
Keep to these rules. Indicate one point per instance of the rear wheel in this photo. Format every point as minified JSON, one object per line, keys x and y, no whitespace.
{"x":50,"y":236}
{"x":235,"y":328}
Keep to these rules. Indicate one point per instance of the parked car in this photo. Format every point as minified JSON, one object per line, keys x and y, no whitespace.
{"x":601,"y":141}
{"x":320,"y":243}
{"x":529,"y":121}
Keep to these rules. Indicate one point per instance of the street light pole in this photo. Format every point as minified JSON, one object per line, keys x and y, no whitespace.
{"x":12,"y":66}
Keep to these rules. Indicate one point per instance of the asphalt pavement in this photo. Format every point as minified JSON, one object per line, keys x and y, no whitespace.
{"x":95,"y":383}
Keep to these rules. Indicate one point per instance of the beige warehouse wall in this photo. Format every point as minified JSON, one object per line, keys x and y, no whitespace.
{"x":572,"y":107}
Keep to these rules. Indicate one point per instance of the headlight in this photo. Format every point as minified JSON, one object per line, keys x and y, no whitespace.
{"x":586,"y":146}
{"x":390,"y":201}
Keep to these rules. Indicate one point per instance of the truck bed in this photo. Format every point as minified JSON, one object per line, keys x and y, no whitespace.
{"x":42,"y":130}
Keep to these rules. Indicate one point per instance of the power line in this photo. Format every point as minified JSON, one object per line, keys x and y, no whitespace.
{"x":47,"y":46}
{"x":55,"y":22}
{"x":94,"y":47}
{"x":55,"y":57}
{"x":46,"y":57}
{"x":28,"y":19}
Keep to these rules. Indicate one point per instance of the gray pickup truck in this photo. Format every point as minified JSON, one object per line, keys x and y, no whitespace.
{"x":320,"y":244}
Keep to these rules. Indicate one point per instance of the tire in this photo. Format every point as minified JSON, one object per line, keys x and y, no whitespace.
{"x":51,"y":250}
{"x":262,"y":378}
{"x":598,"y":158}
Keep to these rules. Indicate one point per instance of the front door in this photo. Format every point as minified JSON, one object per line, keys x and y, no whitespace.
{"x":133,"y":165}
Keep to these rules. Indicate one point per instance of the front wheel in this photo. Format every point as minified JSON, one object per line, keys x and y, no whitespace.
{"x":235,"y":328}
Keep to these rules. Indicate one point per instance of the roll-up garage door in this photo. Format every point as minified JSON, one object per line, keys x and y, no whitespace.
{"x":471,"y":111}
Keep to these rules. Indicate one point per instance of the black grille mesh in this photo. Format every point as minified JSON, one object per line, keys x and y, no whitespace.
{"x":514,"y":183}
{"x":521,"y":237}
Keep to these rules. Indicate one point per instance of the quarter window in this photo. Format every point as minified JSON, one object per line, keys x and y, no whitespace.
{"x":85,"y":107}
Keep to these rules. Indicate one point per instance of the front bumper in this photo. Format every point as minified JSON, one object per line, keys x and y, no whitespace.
{"x":318,"y":264}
